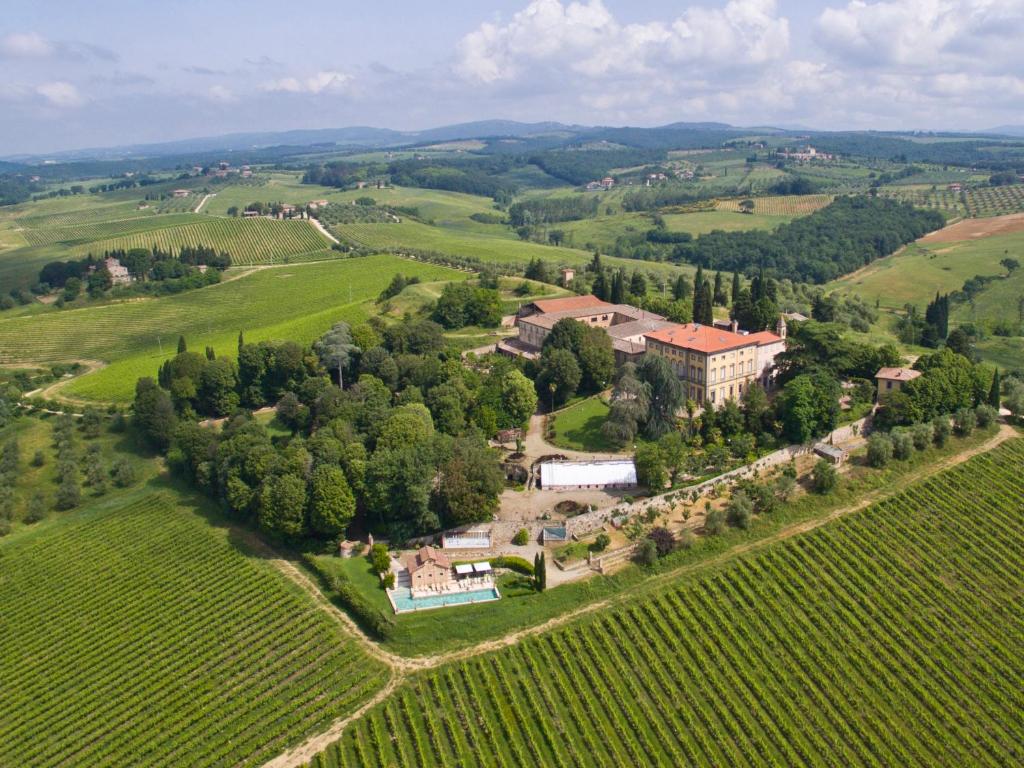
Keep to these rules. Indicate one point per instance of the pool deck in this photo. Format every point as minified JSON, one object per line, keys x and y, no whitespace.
{"x":444,"y":600}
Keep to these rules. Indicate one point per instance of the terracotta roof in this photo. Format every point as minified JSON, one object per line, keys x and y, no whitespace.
{"x":623,"y":313}
{"x":568,"y":303}
{"x":702,"y":338}
{"x":764,"y":337}
{"x":425,"y":555}
{"x":897,"y":374}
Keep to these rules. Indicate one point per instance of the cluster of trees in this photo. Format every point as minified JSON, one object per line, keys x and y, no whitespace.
{"x":175,"y":272}
{"x":548,"y":210}
{"x":644,"y":401}
{"x":949,"y":382}
{"x":579,"y":165}
{"x":652,"y":198}
{"x":400,"y":450}
{"x":794,"y":185}
{"x":835,"y":240}
{"x":575,"y":359}
{"x":16,"y":188}
{"x":462,"y":304}
{"x":754,"y":307}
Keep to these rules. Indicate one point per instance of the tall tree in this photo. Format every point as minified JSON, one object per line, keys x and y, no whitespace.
{"x":182,"y":346}
{"x":666,"y":394}
{"x":734,"y":294}
{"x":994,"y":392}
{"x":707,"y":306}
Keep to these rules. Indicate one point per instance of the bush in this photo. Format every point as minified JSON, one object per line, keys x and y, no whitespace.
{"x":380,"y":558}
{"x":664,"y":540}
{"x":902,"y":444}
{"x":389,"y":580}
{"x":714,"y":522}
{"x":785,"y":485}
{"x":601,"y":542}
{"x":123,"y":473}
{"x":824,"y":477}
{"x":36,"y":508}
{"x":646,"y":552}
{"x":368,"y":616}
{"x":521,"y":538}
{"x":5,"y":526}
{"x":39,"y":459}
{"x":985,"y":415}
{"x":923,"y":435}
{"x":739,"y":510}
{"x":940,"y":430}
{"x":880,"y":449}
{"x":964,"y":422}
{"x":69,"y":494}
{"x":513,"y":563}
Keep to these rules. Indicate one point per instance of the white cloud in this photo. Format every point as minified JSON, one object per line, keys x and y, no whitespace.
{"x":585,"y":38}
{"x":221,"y":94}
{"x":60,"y":94}
{"x":320,"y":82}
{"x":25,"y":45}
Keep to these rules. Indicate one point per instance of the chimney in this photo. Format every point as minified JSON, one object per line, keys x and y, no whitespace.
{"x":734,"y":326}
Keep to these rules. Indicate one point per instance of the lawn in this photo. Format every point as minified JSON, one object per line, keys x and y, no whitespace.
{"x":298,"y":302}
{"x":578,"y":427}
{"x":139,"y":632}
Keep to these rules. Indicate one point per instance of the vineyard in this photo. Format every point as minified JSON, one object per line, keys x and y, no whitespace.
{"x":298,"y":302}
{"x":891,"y":637}
{"x":87,"y":232}
{"x":91,"y":215}
{"x":139,"y":635}
{"x":787,"y":205}
{"x":980,"y":202}
{"x":249,"y":241}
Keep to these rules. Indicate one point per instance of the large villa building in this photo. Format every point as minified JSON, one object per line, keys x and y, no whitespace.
{"x":625,"y":324}
{"x":716,"y":364}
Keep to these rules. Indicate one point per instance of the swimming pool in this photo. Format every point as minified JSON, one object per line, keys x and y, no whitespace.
{"x":404,"y":602}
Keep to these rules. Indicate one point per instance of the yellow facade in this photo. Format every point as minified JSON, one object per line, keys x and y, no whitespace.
{"x":710,"y":378}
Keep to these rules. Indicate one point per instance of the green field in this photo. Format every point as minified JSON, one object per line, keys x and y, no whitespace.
{"x":890,"y":637}
{"x":299,"y":303}
{"x":578,"y":427}
{"x":916,"y":273}
{"x":85,"y":232}
{"x":249,"y":241}
{"x":702,"y":222}
{"x":138,"y":633}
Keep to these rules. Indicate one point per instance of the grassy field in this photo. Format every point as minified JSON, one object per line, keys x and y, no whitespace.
{"x":916,"y":273}
{"x":702,"y":222}
{"x":578,"y":427}
{"x":298,"y":302}
{"x":249,"y":241}
{"x":890,"y":637}
{"x":138,"y":633}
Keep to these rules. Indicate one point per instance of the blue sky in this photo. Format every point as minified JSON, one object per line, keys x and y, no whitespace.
{"x":109,"y":72}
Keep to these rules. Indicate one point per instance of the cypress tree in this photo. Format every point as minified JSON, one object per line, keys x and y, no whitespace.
{"x":680,"y":288}
{"x":735,"y":287}
{"x":698,"y":295}
{"x":241,"y":341}
{"x":618,"y":288}
{"x":210,"y":354}
{"x":719,"y":292}
{"x":182,"y":346}
{"x":993,"y":393}
{"x":707,"y":306}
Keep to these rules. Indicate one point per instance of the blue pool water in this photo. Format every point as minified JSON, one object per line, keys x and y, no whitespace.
{"x":405,"y":602}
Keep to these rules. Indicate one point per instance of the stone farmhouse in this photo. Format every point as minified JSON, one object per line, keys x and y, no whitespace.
{"x":892,"y":380}
{"x":428,"y":567}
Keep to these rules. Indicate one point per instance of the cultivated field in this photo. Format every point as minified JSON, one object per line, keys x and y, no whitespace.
{"x":890,"y":637}
{"x":299,"y":302}
{"x":978,"y":202}
{"x":780,"y":205}
{"x":136,"y":633}
{"x":85,"y":232}
{"x":249,"y":241}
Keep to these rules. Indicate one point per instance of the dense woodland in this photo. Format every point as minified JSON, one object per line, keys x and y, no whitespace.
{"x":836,"y":240}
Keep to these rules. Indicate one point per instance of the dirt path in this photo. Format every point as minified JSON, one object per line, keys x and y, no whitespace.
{"x":52,"y":391}
{"x":323,"y":231}
{"x":400,"y":666}
{"x":203,"y":202}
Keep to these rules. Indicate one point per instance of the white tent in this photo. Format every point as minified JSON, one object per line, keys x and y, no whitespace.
{"x":614,"y":473}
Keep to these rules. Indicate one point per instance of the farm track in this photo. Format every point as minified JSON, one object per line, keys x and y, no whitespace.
{"x":402,"y":666}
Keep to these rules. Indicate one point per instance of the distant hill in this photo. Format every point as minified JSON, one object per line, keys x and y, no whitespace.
{"x":1016,"y":131}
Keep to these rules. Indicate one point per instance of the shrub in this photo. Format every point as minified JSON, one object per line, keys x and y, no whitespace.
{"x":686,"y":540}
{"x":368,"y":616}
{"x":964,"y":421}
{"x":123,"y":473}
{"x":985,"y":415}
{"x":389,"y":580}
{"x":521,"y":538}
{"x":380,"y":558}
{"x":664,"y":540}
{"x":714,"y":523}
{"x":646,"y":552}
{"x":940,"y":430}
{"x":513,"y":563}
{"x":69,"y":494}
{"x":923,"y":435}
{"x":824,"y":477}
{"x":5,"y":526}
{"x":739,"y":510}
{"x":601,"y":542}
{"x":880,"y":449}
{"x":39,"y":459}
{"x":902,"y":444}
{"x":36,"y":508}
{"x":785,"y":485}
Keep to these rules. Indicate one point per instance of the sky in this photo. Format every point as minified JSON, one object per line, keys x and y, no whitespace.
{"x":111,"y":72}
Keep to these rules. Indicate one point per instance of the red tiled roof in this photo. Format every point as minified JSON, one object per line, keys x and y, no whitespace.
{"x":764,"y":337}
{"x":702,"y":338}
{"x":569,"y":302}
{"x":897,"y":374}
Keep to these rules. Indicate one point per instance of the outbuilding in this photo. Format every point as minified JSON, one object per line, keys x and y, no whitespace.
{"x":571,"y":475}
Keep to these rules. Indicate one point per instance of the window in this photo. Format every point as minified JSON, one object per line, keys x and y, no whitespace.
{"x":732,"y":371}
{"x":730,"y":390}
{"x":714,"y":376}
{"x":712,"y":395}
{"x":721,"y":373}
{"x":888,"y":385}
{"x":750,"y":366}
